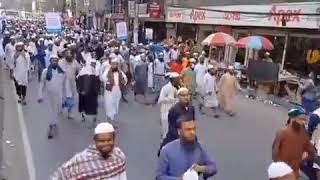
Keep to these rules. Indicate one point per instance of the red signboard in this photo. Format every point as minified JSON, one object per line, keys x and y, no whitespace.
{"x":154,"y":10}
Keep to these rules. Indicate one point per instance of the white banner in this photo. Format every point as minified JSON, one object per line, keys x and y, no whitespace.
{"x":131,"y":9}
{"x":122,"y":32}
{"x":149,"y":33}
{"x":294,"y":19}
{"x":53,"y":20}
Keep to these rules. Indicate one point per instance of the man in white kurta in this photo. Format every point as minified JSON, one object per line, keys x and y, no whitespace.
{"x":200,"y":70}
{"x":210,"y":90}
{"x":51,"y":84}
{"x":168,"y":98}
{"x":9,"y":52}
{"x":114,"y":79}
{"x":71,"y":68}
{"x":19,"y":71}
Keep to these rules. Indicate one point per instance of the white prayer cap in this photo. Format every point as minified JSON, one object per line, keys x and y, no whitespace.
{"x":113,"y":56}
{"x":6,"y":32}
{"x":12,"y":37}
{"x":19,"y":43}
{"x":183,"y":90}
{"x":210,"y":66}
{"x":193,"y":60}
{"x":195,"y":53}
{"x":203,"y":52}
{"x":33,"y":36}
{"x":230,"y":67}
{"x":54,"y":56}
{"x":41,"y":39}
{"x":103,"y":128}
{"x":278,"y":169}
{"x":173,"y":75}
{"x":267,"y":54}
{"x":115,"y":60}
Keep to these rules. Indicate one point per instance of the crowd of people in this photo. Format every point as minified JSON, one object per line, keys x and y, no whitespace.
{"x":77,"y":67}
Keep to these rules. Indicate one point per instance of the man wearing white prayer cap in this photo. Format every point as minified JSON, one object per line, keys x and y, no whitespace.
{"x":280,"y":171}
{"x":20,"y":70}
{"x":9,"y":50}
{"x":210,"y":89}
{"x":168,"y":98}
{"x":101,"y":160}
{"x":183,"y":107}
{"x":229,"y":86}
{"x":51,"y":88}
{"x":115,"y":81}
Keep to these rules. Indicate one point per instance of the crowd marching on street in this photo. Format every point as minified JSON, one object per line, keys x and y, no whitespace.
{"x":77,"y":67}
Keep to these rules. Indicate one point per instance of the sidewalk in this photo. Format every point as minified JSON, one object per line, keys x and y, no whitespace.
{"x":16,"y":163}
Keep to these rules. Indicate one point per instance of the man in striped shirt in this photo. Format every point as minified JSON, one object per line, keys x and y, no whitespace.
{"x":100,"y":161}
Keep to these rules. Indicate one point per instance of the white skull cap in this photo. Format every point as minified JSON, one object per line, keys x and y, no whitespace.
{"x":103,"y":128}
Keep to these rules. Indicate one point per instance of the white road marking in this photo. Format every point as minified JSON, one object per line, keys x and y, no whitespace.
{"x":25,"y":139}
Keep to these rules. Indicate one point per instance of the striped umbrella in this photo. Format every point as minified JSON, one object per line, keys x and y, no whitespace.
{"x":219,"y":39}
{"x":255,"y":42}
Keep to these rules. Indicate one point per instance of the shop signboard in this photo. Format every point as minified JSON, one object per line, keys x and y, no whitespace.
{"x":142,"y":8}
{"x":154,"y":10}
{"x":53,"y":22}
{"x":122,"y":32}
{"x":131,"y":9}
{"x":297,"y":15}
{"x":263,"y":71}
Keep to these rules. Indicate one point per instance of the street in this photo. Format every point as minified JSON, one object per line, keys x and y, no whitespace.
{"x":241,"y":146}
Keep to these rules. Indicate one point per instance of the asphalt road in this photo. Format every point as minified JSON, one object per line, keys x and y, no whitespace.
{"x":241,"y":145}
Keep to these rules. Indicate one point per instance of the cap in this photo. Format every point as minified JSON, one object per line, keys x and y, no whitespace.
{"x":20,"y":43}
{"x":54,"y":56}
{"x":210,"y":66}
{"x":267,"y":53}
{"x":294,"y":112}
{"x":183,"y":89}
{"x":103,"y":128}
{"x":115,"y":60}
{"x":173,"y":75}
{"x":230,"y":67}
{"x":279,"y":169}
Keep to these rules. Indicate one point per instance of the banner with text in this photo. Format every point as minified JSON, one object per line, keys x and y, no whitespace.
{"x":297,"y":15}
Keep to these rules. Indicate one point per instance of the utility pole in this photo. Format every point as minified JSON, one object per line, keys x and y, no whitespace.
{"x":136,"y":25}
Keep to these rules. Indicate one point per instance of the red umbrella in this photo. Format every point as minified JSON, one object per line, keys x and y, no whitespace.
{"x":255,"y":42}
{"x":219,"y":39}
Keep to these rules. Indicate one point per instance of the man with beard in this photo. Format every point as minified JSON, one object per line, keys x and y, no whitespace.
{"x":88,"y":85}
{"x":228,"y":88}
{"x":71,"y":68}
{"x":115,"y":80}
{"x":141,"y":77}
{"x":9,"y":51}
{"x":52,"y":79}
{"x":210,"y":90}
{"x":159,"y":71}
{"x":101,"y":160}
{"x":292,"y":141}
{"x":167,"y":99}
{"x":181,"y":108}
{"x":183,"y":154}
{"x":19,"y":71}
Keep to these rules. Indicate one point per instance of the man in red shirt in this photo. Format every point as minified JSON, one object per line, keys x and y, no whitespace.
{"x":292,"y":141}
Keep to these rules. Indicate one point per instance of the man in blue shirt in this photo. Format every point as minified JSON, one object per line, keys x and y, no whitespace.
{"x":183,"y":154}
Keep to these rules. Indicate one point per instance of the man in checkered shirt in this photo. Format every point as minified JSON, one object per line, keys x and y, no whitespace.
{"x":100,"y":161}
